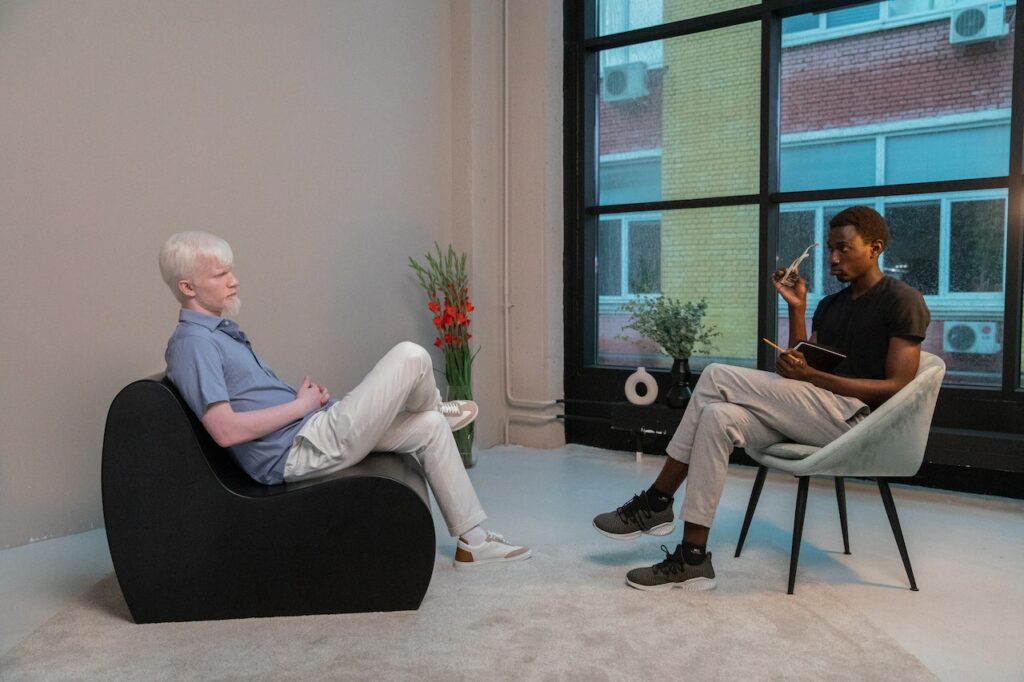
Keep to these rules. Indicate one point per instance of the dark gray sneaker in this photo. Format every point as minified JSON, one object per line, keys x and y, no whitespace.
{"x":674,"y":572}
{"x":635,"y":518}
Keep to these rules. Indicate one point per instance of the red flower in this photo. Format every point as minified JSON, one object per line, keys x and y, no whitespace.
{"x":469,"y":306}
{"x":437,"y":342}
{"x":449,"y":310}
{"x":469,"y":336}
{"x":462,"y":319}
{"x":448,"y":319}
{"x":434,"y":306}
{"x":438,"y":322}
{"x":448,"y":338}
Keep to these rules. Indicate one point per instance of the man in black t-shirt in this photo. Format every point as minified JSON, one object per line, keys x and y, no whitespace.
{"x":876,"y":321}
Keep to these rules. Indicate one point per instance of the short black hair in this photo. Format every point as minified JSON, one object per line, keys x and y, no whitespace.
{"x":868,"y":222}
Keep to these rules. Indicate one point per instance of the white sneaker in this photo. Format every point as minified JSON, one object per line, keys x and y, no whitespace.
{"x":459,"y":413}
{"x":495,"y":549}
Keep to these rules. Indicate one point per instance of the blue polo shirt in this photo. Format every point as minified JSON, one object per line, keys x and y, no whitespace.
{"x":210,"y":360}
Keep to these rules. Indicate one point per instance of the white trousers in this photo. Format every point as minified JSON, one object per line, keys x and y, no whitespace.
{"x":394,"y":408}
{"x":740,"y":407}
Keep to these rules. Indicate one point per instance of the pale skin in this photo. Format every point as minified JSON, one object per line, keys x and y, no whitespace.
{"x":213,"y":290}
{"x":853,"y":260}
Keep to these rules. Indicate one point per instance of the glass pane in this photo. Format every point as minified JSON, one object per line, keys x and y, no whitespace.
{"x":704,"y":253}
{"x":801,"y":22}
{"x":977,"y":233}
{"x":796,"y":233}
{"x":687,"y":128}
{"x":616,"y":16}
{"x":630,"y":181}
{"x":827,"y":165}
{"x":829,"y":284}
{"x":913,"y":251}
{"x":644,"y":256}
{"x":609,"y":258}
{"x":949,"y":155}
{"x":851,"y":15}
{"x":900,"y":8}
{"x":935,"y":111}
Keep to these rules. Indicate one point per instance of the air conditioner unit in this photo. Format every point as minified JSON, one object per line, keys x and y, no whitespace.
{"x":624,"y":81}
{"x":983,"y":21}
{"x":970,"y":337}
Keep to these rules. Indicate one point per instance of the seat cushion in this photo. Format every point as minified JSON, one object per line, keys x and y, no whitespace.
{"x":789,"y":450}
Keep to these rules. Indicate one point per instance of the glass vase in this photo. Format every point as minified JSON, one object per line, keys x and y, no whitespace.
{"x":679,"y":392}
{"x":463,"y":437}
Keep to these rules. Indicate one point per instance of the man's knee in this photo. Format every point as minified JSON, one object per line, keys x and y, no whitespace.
{"x":411,"y":352}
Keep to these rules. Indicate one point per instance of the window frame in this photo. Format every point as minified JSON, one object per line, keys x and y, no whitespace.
{"x":585,"y":382}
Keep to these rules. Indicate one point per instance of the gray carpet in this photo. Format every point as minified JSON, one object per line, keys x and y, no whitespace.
{"x":563,"y":615}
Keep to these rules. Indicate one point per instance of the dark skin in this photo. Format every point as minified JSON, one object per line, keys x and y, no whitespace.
{"x":852,"y":260}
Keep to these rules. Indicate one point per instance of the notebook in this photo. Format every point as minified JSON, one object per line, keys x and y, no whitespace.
{"x":820,"y":357}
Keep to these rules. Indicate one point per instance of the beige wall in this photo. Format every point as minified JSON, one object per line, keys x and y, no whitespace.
{"x":326,"y":140}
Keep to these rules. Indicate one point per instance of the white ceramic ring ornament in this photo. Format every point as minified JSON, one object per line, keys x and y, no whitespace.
{"x":640,"y":376}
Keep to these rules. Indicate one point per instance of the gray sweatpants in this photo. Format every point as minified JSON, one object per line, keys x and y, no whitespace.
{"x":741,"y":407}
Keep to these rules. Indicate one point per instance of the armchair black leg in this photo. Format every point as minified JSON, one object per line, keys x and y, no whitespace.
{"x":841,"y":499}
{"x":755,"y":493}
{"x":894,"y":521}
{"x":798,"y":528}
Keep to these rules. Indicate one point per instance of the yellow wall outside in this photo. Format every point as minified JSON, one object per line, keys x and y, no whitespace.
{"x":710,"y":147}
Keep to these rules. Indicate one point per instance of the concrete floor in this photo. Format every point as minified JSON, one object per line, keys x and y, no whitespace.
{"x":967,"y":621}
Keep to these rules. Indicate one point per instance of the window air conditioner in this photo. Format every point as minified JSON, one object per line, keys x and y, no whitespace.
{"x":624,"y":81}
{"x":983,"y":21}
{"x":970,"y":337}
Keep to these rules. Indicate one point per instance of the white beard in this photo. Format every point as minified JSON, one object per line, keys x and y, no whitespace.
{"x":232,"y":308}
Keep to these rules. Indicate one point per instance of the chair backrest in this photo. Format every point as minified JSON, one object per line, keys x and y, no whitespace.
{"x":891,"y":440}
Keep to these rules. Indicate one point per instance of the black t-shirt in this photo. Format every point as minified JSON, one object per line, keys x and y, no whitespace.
{"x":861,"y":328}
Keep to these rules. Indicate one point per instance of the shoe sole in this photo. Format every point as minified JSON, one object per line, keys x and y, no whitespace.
{"x":461,"y":565}
{"x":659,"y":530}
{"x":691,"y":585}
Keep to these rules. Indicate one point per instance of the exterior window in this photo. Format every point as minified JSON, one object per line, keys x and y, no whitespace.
{"x":919,"y":110}
{"x":628,"y":256}
{"x":977,"y":234}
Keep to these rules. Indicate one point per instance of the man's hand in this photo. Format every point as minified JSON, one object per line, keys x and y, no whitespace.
{"x":310,"y":396}
{"x":325,"y":395}
{"x":793,"y":365}
{"x":795,"y":295}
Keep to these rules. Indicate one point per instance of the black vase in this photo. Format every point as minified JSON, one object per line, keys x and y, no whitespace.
{"x":679,"y":392}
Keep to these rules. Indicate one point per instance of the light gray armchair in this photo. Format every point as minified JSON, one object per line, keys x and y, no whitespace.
{"x":890,"y":442}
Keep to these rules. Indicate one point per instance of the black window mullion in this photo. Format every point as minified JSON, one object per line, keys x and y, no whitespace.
{"x":1015,"y":220}
{"x":767,"y":309}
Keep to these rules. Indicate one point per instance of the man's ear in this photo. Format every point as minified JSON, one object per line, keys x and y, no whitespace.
{"x":186,"y":288}
{"x":877,"y":246}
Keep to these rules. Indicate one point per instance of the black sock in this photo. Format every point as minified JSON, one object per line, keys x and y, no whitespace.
{"x":658,"y":500}
{"x":693,"y":554}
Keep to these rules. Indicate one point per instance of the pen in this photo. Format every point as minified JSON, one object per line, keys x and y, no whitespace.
{"x":778,"y":348}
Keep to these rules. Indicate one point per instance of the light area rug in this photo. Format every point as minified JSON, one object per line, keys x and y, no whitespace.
{"x":565,"y":614}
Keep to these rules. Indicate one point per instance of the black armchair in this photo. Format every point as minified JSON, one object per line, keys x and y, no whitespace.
{"x":192,"y":537}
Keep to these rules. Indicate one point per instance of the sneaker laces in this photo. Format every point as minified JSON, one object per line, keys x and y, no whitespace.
{"x":672,"y":564}
{"x":497,"y":537}
{"x":634,"y":509}
{"x":450,"y":409}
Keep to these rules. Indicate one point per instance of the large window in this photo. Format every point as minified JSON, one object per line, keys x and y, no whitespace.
{"x":710,"y":141}
{"x":905,"y":106}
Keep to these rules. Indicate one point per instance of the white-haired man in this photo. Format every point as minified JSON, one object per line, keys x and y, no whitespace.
{"x":279,"y":434}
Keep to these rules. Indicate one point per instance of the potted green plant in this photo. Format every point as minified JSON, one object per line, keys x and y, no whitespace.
{"x":679,"y":329}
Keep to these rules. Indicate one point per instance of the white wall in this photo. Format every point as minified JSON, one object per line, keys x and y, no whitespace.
{"x":327,"y":140}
